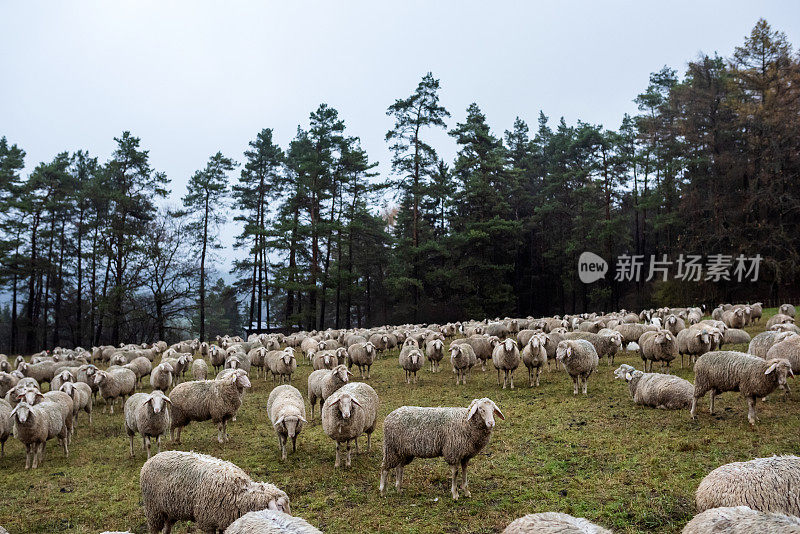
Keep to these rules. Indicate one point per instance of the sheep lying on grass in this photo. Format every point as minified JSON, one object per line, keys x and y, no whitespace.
{"x":553,"y":523}
{"x":667,"y":392}
{"x":270,"y":522}
{"x":741,"y":520}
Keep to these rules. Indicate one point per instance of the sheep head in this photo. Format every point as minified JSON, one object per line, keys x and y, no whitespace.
{"x":370,"y":348}
{"x":509,"y":345}
{"x":342,"y":372}
{"x":21,"y":412}
{"x":781,"y":368}
{"x":292,"y":423}
{"x":415,"y":356}
{"x":345,"y":404}
{"x":68,"y":388}
{"x":261,"y":495}
{"x":623,"y":370}
{"x":487,"y":409}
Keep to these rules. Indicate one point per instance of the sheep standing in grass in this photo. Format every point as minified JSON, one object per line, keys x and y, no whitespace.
{"x":456,"y":434}
{"x":693,"y":342}
{"x":482,"y":345}
{"x":787,"y":349}
{"x":763,"y":484}
{"x":434,"y":351}
{"x":115,"y":384}
{"x":270,"y":522}
{"x":657,"y":347}
{"x":553,"y":523}
{"x":462,"y":357}
{"x":411,"y":362}
{"x":187,"y":486}
{"x":201,"y":400}
{"x":161,"y":377}
{"x":7,"y":382}
{"x":286,"y":410}
{"x":363,"y":356}
{"x":324,"y":359}
{"x":35,"y":425}
{"x":140,"y":366}
{"x":200,"y":369}
{"x":734,"y":318}
{"x":534,"y":356}
{"x":282,"y":364}
{"x":755,"y":378}
{"x":350,"y":411}
{"x":81,"y":395}
{"x":148,"y":415}
{"x":506,"y":358}
{"x":579,"y":359}
{"x":6,"y":425}
{"x":62,"y":376}
{"x":322,"y":383}
{"x":787,"y":309}
{"x":740,"y":520}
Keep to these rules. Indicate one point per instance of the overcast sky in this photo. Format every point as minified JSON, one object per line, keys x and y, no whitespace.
{"x":191,"y":78}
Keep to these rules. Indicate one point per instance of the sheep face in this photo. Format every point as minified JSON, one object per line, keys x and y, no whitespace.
{"x":342,"y":372}
{"x":486,"y":409}
{"x":703,"y":336}
{"x":21,"y":412}
{"x":494,"y":341}
{"x":239,"y":377}
{"x":415,"y":356}
{"x":29,"y":395}
{"x":22,"y":366}
{"x":563,"y":352}
{"x":345,"y":405}
{"x":781,"y":368}
{"x":508,"y":345}
{"x":158,"y":402}
{"x":370,"y":348}
{"x":287,"y":358}
{"x":292,"y":423}
{"x":65,"y":376}
{"x":623,"y":370}
{"x":100,"y":377}
{"x":411,"y":342}
{"x":68,"y":388}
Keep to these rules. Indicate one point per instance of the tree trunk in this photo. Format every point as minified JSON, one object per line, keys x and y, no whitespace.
{"x":203,"y":273}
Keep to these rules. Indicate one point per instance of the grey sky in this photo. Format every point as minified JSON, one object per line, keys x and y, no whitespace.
{"x":191,"y":78}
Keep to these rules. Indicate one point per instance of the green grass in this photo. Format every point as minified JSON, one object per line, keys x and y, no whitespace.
{"x":626,"y":467}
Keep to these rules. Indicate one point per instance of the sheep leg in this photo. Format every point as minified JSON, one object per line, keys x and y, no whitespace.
{"x":382,"y":487}
{"x":282,"y":444}
{"x":585,"y":384}
{"x":130,"y":438}
{"x":348,"y":453}
{"x":112,"y":406}
{"x":538,"y":374}
{"x":220,"y":433}
{"x":751,"y":410}
{"x":498,"y":378}
{"x":530,"y":377}
{"x":337,"y":462}
{"x":453,"y":477}
{"x":511,"y":378}
{"x":574,"y":385}
{"x":294,"y":443}
{"x":464,"y":482}
{"x":146,"y":445}
{"x":28,"y":455}
{"x":158,"y":442}
{"x":693,"y":410}
{"x":356,"y":440}
{"x":713,"y":396}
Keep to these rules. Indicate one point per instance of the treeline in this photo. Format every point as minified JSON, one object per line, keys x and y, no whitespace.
{"x":89,"y":254}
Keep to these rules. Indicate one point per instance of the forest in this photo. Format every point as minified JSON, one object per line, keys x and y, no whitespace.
{"x":90,"y":255}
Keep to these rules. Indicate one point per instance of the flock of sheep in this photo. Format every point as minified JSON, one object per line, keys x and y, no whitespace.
{"x":755,"y":496}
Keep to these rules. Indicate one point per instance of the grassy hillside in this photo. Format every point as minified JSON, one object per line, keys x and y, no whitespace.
{"x":629,"y":468}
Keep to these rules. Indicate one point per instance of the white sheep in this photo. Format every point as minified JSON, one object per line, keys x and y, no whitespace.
{"x":287,"y":413}
{"x":148,"y":415}
{"x":350,"y":411}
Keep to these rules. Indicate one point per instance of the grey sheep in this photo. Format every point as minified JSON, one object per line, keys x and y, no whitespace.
{"x":140,"y":366}
{"x":200,"y":369}
{"x":740,"y":520}
{"x":666,"y":392}
{"x":257,"y":357}
{"x":114,"y":384}
{"x":763,"y":484}
{"x":216,"y":356}
{"x":187,"y":486}
{"x":657,"y":346}
{"x":755,"y":378}
{"x":35,"y":425}
{"x":534,"y":356}
{"x":553,"y":523}
{"x":734,"y":318}
{"x":60,"y":399}
{"x":62,"y":376}
{"x":787,"y":349}
{"x":434,"y":351}
{"x":7,"y":381}
{"x":324,"y":359}
{"x":462,"y":357}
{"x":761,"y":343}
{"x":270,"y":522}
{"x":456,"y":434}
{"x":380,"y":341}
{"x":674,"y":324}
{"x":482,"y":346}
{"x":201,"y":400}
{"x":633,"y":331}
{"x":778,"y":318}
{"x":85,"y":374}
{"x":506,"y":358}
{"x":147,"y":414}
{"x":161,"y":377}
{"x":238,"y":360}
{"x":81,"y":395}
{"x":579,"y":359}
{"x":693,"y":342}
{"x":606,"y":342}
{"x":787,"y":309}
{"x":735,"y":336}
{"x":523,"y":336}
{"x":282,"y":364}
{"x":350,"y":411}
{"x":363,"y":356}
{"x":6,"y":425}
{"x":323,"y":382}
{"x":287,"y":413}
{"x":411,"y":361}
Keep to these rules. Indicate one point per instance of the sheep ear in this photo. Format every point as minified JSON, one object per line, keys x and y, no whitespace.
{"x":355,"y":401}
{"x":497,"y":411}
{"x":473,"y":408}
{"x":771,"y":368}
{"x":280,"y":420}
{"x":628,"y":376}
{"x":302,"y":419}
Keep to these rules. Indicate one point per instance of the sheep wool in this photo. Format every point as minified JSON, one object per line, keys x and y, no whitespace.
{"x":740,"y":520}
{"x":350,"y":411}
{"x":286,"y":410}
{"x":763,"y":484}
{"x":270,"y":522}
{"x":187,"y":486}
{"x":553,"y":523}
{"x":579,"y":359}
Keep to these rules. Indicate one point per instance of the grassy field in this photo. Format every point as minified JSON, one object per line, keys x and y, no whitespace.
{"x":626,"y":467}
